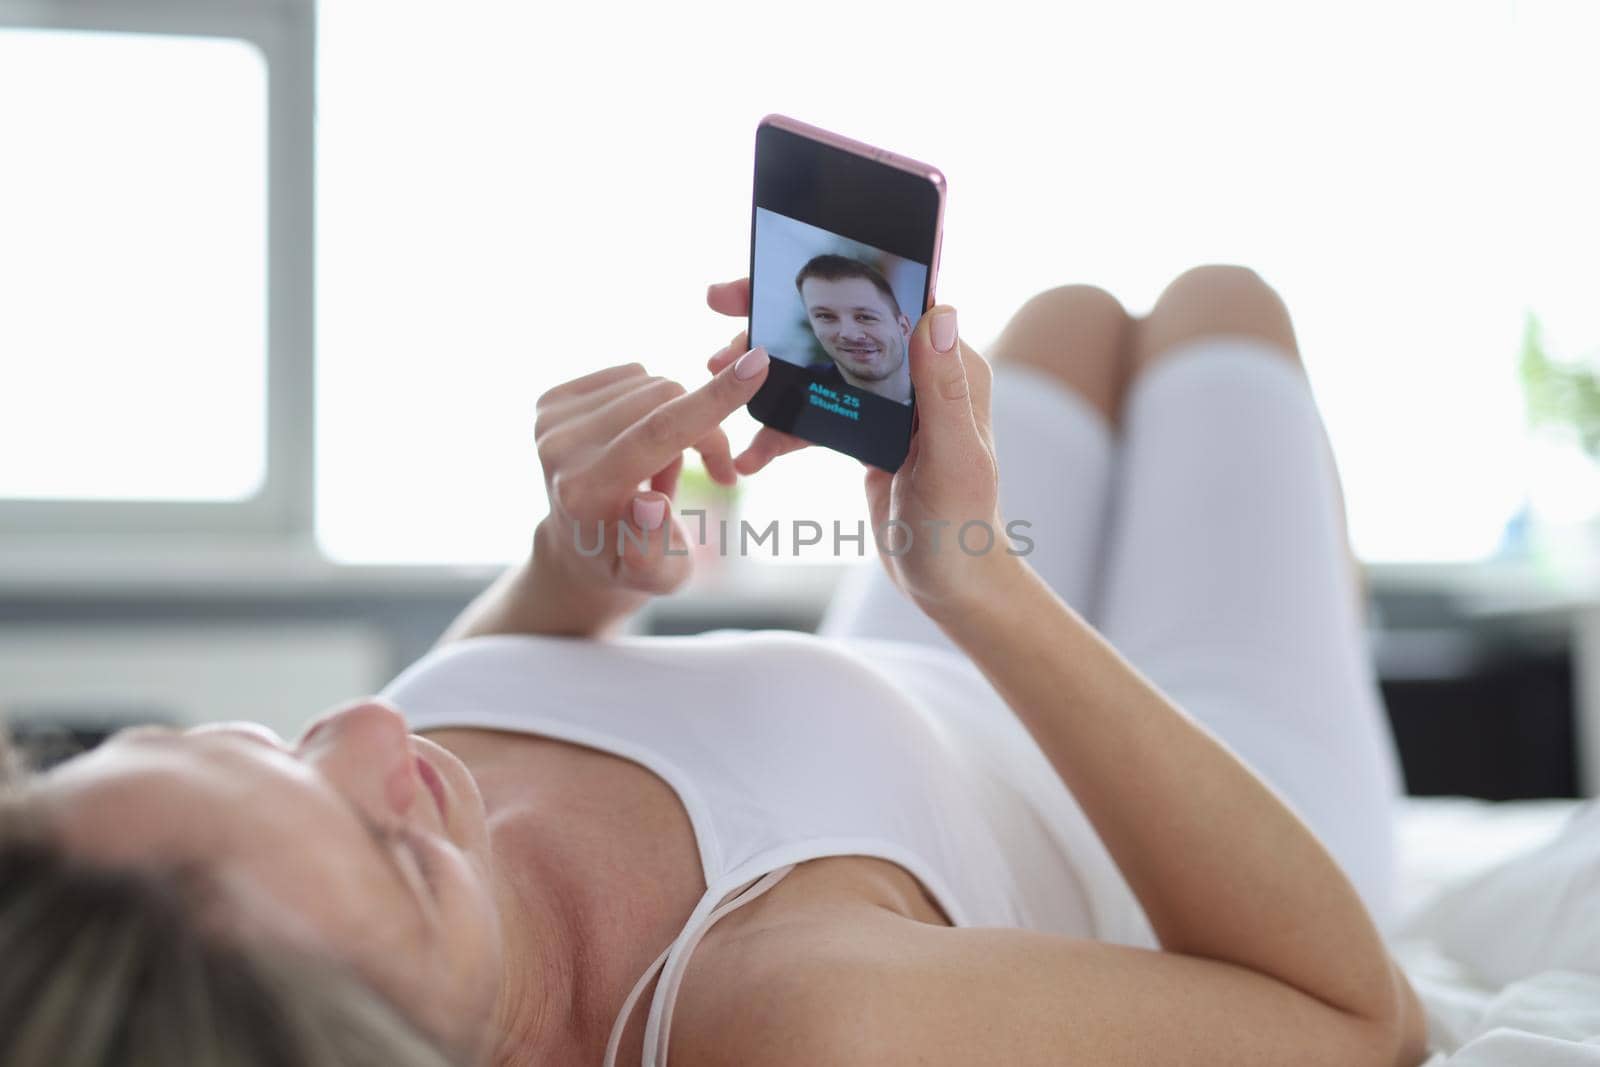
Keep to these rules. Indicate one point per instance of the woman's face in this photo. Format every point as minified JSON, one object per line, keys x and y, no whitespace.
{"x":360,"y":839}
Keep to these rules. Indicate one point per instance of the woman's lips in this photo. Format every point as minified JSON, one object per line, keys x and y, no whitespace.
{"x":435,"y":784}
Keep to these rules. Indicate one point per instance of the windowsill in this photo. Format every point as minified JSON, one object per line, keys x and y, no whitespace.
{"x":216,"y":569}
{"x":213,"y":570}
{"x":1493,"y":588}
{"x":234,"y":569}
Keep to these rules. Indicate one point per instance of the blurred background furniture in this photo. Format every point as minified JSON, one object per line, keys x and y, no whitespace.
{"x":1492,"y":694}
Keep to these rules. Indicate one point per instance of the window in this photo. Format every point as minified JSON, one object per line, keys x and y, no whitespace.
{"x":134,"y":267}
{"x":154,"y":367}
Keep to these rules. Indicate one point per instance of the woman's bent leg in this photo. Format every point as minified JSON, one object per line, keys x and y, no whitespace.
{"x":1228,"y":580}
{"x":1059,"y":366}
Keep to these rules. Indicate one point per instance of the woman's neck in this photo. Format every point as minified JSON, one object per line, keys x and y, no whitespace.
{"x":544,"y":963}
{"x":596,"y":869}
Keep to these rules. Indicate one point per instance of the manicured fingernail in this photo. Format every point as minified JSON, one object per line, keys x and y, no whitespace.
{"x":942,"y":330}
{"x":750,"y":364}
{"x":648,"y":511}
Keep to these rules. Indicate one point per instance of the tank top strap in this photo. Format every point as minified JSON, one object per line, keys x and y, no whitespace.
{"x":672,"y":964}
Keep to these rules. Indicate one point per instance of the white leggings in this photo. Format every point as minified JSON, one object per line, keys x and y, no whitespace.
{"x":1203,"y":541}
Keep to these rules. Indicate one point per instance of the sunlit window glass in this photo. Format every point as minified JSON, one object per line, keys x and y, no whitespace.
{"x":132,"y":266}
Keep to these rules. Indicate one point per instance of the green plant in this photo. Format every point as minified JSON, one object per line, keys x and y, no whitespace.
{"x":1559,"y":393}
{"x":696,"y":488}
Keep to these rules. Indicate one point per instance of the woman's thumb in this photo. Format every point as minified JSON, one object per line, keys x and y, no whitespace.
{"x":939,"y":376}
{"x":652,"y":554}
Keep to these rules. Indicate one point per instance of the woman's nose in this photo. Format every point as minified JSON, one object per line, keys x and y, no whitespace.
{"x":365,"y":751}
{"x":339,"y":719}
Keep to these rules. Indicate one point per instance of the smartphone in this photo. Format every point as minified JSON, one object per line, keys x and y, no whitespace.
{"x":844,"y":254}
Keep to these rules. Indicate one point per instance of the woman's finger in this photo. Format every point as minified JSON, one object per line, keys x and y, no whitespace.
{"x":729,"y":352}
{"x":662,"y":433}
{"x":590,"y":382}
{"x":980,"y":379}
{"x":557,"y":415}
{"x":622,"y":411}
{"x":945,"y":420}
{"x":767,"y":445}
{"x":730,"y":298}
{"x":645,"y":533}
{"x":665,"y":480}
{"x":716,"y":455}
{"x":879,"y":484}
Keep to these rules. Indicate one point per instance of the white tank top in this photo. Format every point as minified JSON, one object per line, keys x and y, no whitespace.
{"x":785,"y":747}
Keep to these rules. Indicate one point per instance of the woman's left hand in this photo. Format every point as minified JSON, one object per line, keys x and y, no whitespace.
{"x":937,"y":518}
{"x":733,"y":299}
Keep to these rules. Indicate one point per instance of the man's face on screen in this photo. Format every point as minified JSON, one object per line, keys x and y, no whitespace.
{"x":857,"y":326}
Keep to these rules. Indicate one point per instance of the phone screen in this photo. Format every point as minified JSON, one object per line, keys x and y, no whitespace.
{"x":843,"y":254}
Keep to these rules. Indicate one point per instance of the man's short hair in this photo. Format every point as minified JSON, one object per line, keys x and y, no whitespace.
{"x":834,"y":268}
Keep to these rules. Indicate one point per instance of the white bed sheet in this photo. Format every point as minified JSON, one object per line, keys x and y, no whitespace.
{"x":1500,"y":929}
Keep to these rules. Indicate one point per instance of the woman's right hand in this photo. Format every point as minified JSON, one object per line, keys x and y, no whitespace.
{"x":937,"y":518}
{"x":949,"y":481}
{"x":611,"y":444}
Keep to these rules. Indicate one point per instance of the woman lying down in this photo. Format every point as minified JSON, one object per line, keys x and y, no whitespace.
{"x":1122,"y":799}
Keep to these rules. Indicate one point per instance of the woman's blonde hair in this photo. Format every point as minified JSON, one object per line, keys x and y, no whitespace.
{"x":103,"y":966}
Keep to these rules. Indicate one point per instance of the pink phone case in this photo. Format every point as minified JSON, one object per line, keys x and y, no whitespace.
{"x":887,"y":158}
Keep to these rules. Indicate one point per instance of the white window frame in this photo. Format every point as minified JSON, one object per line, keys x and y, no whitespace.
{"x":278,"y":516}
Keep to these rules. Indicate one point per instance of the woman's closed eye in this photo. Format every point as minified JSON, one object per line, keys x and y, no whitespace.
{"x":408,"y":853}
{"x":411,"y":855}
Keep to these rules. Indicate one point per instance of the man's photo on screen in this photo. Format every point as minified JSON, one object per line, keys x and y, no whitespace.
{"x":840,"y":309}
{"x":859,"y":324}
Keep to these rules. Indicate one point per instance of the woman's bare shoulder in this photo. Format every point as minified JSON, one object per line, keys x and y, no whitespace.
{"x":734,"y":1005}
{"x":870,"y":986}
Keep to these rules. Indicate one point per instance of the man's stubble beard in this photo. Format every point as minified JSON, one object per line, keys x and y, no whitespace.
{"x":893,"y":366}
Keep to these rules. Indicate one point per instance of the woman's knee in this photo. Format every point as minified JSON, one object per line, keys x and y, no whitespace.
{"x":1211,"y":301}
{"x":1080,"y":334}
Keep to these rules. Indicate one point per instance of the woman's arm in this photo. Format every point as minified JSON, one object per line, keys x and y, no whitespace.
{"x":1223,"y":869}
{"x":536,"y":597}
{"x":1268,"y":957}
